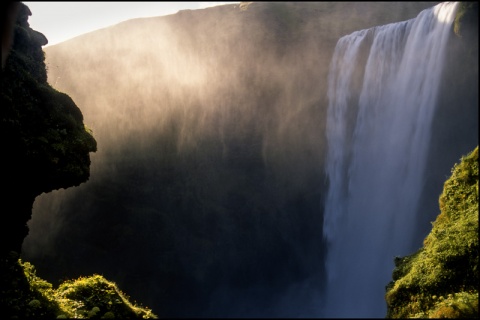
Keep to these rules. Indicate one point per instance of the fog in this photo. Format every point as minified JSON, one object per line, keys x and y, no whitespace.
{"x":205,"y":192}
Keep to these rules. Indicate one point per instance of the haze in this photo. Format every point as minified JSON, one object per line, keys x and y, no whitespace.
{"x":61,"y":21}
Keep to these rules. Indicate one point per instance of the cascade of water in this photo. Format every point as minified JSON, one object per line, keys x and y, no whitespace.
{"x":376,"y":162}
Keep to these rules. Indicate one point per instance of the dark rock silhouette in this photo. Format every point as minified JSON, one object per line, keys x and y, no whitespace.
{"x":46,"y":144}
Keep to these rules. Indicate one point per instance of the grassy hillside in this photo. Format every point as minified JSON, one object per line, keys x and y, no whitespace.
{"x":441,"y":279}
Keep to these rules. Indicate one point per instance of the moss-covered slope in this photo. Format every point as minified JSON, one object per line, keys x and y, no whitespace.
{"x":441,"y":279}
{"x":26,"y":295}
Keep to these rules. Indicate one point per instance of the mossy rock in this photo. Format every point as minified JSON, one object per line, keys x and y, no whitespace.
{"x":93,"y":296}
{"x":25,"y":295}
{"x":441,"y":279}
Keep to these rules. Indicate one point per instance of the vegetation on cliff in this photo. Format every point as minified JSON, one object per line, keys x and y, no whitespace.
{"x":467,"y":13}
{"x":441,"y":279}
{"x":26,"y":295}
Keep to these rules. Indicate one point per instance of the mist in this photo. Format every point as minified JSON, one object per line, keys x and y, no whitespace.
{"x":206,"y":182}
{"x":206,"y":195}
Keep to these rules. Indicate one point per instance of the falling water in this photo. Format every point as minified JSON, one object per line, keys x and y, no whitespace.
{"x":378,"y":137}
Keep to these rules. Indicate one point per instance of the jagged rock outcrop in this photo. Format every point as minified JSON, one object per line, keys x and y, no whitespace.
{"x":46,"y":144}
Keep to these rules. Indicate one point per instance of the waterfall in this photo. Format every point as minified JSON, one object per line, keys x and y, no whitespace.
{"x":383,"y":84}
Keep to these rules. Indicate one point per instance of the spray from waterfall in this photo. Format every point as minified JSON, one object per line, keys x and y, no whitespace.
{"x":378,"y":132}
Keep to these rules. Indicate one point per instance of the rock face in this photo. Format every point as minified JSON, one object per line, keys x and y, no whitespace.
{"x":441,"y":279}
{"x":46,"y":145}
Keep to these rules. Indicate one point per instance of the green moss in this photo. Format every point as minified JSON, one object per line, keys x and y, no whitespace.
{"x":24,"y":295}
{"x":90,"y":296}
{"x":28,"y":296}
{"x":441,"y":279}
{"x":466,"y":13}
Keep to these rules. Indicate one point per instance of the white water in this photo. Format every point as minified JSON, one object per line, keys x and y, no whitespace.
{"x":376,"y":161}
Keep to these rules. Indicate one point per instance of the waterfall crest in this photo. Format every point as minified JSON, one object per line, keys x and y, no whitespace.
{"x":383,"y":84}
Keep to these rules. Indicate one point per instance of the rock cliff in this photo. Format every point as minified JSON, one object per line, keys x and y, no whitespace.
{"x":46,"y":147}
{"x":46,"y":144}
